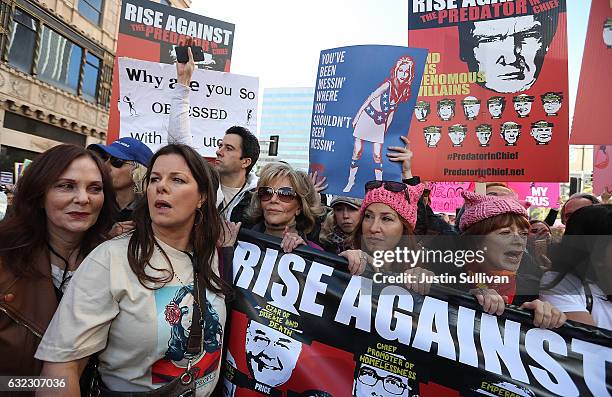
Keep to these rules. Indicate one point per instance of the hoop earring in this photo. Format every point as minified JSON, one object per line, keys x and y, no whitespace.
{"x":201,"y":217}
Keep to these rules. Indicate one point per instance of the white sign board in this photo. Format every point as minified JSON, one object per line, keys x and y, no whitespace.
{"x":218,"y":101}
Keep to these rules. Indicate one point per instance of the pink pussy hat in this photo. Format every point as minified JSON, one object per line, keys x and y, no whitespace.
{"x":396,"y":200}
{"x":478,"y":207}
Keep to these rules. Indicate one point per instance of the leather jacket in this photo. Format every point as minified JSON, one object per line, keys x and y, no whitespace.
{"x":25,"y":318}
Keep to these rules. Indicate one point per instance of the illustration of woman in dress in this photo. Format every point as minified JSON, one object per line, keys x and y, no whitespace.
{"x":376,"y":114}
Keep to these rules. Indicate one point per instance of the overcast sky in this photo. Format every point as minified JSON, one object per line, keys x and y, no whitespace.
{"x":279,"y":41}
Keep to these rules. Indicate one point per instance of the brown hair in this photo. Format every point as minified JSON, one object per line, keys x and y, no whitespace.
{"x":204,"y":234}
{"x":23,"y":234}
{"x":308,"y":198}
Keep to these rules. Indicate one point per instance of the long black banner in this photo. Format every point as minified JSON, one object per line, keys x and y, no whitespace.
{"x":302,"y":326}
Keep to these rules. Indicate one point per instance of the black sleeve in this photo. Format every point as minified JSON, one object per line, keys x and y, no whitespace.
{"x":415,"y":180}
{"x":551,"y":217}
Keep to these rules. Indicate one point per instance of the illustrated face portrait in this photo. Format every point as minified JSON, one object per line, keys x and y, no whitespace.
{"x":432,"y":138}
{"x":271,"y":355}
{"x":457,"y":137}
{"x":510,"y":135}
{"x":552,"y":108}
{"x":607,"y":33}
{"x":403,"y":72}
{"x":509,"y":51}
{"x":523,"y":108}
{"x":484,"y":137}
{"x":380,"y":383}
{"x":471,"y":110}
{"x":542,"y":135}
{"x":421,"y":112}
{"x":496,"y":109}
{"x":446,"y":112}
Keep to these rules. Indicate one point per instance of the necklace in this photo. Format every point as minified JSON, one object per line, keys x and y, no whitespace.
{"x":175,"y":274}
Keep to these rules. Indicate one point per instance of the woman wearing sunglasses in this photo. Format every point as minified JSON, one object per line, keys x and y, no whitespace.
{"x":286,"y":205}
{"x":388,"y":218}
{"x":127,"y":160}
{"x":63,"y":208}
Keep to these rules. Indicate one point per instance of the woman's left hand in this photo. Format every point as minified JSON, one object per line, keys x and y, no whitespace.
{"x":403,"y":155}
{"x":417,"y":274}
{"x":229,"y":234}
{"x":545,"y":315}
{"x":357,"y":261}
{"x":318,"y":185}
{"x":291,"y":241}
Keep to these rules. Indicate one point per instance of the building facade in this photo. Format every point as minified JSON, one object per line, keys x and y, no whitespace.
{"x":56,"y":64}
{"x":286,"y":112}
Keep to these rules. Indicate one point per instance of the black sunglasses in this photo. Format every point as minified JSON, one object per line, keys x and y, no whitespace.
{"x":392,"y":186}
{"x":285,"y":194}
{"x":114,"y":161}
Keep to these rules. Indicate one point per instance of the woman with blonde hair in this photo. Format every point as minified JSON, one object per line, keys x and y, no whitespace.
{"x":285,"y":205}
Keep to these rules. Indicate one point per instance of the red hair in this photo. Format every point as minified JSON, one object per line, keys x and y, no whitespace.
{"x":401,"y":92}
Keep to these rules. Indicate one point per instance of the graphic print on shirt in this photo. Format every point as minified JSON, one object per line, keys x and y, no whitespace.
{"x":174,"y":306}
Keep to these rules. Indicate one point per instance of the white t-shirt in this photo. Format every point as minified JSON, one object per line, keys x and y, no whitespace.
{"x":57,"y":274}
{"x":229,"y":193}
{"x":141,"y":334}
{"x":569,"y":296}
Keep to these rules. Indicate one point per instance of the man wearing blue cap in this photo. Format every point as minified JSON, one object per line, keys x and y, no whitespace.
{"x":127,"y":160}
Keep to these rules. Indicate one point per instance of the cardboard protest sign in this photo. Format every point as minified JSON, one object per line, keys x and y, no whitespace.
{"x":149,"y":31}
{"x":592,"y":116}
{"x":493,"y":101}
{"x":302,"y":326}
{"x":602,"y":169}
{"x":363,"y":103}
{"x":446,"y":196}
{"x":218,"y":101}
{"x":539,"y":194}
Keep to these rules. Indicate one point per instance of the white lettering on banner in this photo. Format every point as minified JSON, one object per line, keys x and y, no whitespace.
{"x":434,"y":315}
{"x":402,"y":332}
{"x":594,"y":359}
{"x":467,"y":350}
{"x":553,"y":377}
{"x":217,"y":102}
{"x":494,"y":347}
{"x":313,"y":287}
{"x":394,"y":318}
{"x":359,"y":289}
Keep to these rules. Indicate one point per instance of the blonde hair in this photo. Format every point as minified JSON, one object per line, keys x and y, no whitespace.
{"x":307,"y":196}
{"x":139,"y":172}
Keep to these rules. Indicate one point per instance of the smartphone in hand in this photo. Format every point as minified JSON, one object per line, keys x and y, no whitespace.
{"x":183,"y":57}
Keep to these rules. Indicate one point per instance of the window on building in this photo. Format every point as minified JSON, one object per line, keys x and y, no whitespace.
{"x":22,"y":41}
{"x":91,"y":9}
{"x":59,"y":61}
{"x":91,"y":76}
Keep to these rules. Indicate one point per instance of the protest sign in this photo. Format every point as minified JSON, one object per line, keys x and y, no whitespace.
{"x":218,"y":101}
{"x":364,"y":97}
{"x":149,"y":31}
{"x":493,"y":102}
{"x":446,"y":196}
{"x":592,"y":116}
{"x":539,"y":194}
{"x":602,"y":169}
{"x":302,"y":326}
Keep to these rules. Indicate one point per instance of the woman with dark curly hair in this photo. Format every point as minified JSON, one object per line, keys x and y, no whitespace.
{"x":63,"y":208}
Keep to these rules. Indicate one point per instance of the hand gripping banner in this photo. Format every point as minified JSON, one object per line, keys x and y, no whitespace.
{"x":302,"y":326}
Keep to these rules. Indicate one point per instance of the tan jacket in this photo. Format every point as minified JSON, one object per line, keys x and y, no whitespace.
{"x":23,"y":321}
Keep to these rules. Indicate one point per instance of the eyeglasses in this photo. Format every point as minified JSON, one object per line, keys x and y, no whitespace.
{"x":392,"y":384}
{"x":114,"y":161}
{"x":392,"y":186}
{"x":285,"y":194}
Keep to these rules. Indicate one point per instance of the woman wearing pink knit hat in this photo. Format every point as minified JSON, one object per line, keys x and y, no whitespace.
{"x":388,"y":218}
{"x":502,"y":227}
